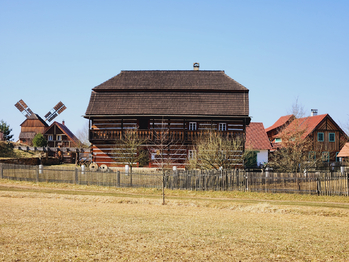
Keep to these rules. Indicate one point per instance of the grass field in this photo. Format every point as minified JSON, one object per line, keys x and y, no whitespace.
{"x":50,"y":222}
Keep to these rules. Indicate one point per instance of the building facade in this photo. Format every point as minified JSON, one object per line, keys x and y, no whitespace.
{"x":180,"y":104}
{"x":326,"y":136}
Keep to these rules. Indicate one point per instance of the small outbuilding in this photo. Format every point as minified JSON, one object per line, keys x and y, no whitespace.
{"x":257,"y":142}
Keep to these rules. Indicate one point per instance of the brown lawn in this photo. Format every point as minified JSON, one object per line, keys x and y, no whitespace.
{"x":45,"y":224}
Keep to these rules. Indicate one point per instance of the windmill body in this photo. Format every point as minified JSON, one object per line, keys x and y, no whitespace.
{"x":34,"y":124}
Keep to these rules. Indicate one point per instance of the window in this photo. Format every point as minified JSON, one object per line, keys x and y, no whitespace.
{"x":338,"y":159}
{"x":312,"y":155}
{"x":278,"y":140}
{"x":59,"y":137}
{"x":320,"y":137}
{"x":331,"y":137}
{"x":325,"y":156}
{"x":191,"y":154}
{"x":192,"y":126}
{"x":50,"y":137}
{"x":222,"y":127}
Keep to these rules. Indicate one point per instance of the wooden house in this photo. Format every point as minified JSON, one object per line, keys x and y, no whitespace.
{"x":185,"y":103}
{"x":33,"y":125}
{"x":277,"y":127}
{"x":326,"y":136}
{"x":59,"y":135}
{"x":257,"y":141}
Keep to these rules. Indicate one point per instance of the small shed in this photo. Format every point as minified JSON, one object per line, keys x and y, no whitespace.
{"x":257,"y":141}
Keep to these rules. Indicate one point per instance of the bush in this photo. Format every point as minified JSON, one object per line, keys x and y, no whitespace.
{"x":39,"y":140}
{"x":6,"y":149}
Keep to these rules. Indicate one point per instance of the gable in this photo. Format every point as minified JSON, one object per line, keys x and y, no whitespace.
{"x":57,"y":128}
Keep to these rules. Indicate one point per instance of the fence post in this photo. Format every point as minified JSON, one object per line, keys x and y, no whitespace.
{"x":118,"y":178}
{"x":37,"y":174}
{"x":318,"y":186}
{"x":1,"y":171}
{"x":347,"y":184}
{"x":76,"y":177}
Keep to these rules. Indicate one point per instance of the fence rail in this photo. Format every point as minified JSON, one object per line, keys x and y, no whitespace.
{"x":320,"y":183}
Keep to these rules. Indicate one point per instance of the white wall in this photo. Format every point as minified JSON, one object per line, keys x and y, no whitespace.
{"x":262,"y":157}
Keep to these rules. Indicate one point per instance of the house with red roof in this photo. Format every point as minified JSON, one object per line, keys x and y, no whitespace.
{"x":326,"y":136}
{"x":344,"y":153}
{"x":257,"y":141}
{"x":277,"y":127}
{"x":59,"y":135}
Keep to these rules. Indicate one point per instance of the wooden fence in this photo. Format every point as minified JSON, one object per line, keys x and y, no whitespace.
{"x":320,"y":183}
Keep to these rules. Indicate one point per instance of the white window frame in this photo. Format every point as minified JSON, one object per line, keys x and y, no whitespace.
{"x":191,"y":154}
{"x":59,"y":137}
{"x":222,"y":126}
{"x":50,"y":137}
{"x":192,"y":126}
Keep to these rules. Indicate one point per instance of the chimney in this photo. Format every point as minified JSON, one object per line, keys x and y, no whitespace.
{"x":314,"y":112}
{"x":63,"y":123}
{"x":196,"y":66}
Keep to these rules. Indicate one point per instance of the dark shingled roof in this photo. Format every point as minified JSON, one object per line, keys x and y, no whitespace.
{"x":171,"y":80}
{"x":205,"y":93}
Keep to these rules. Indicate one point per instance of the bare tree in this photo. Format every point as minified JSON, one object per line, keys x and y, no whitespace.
{"x":82,"y":135}
{"x":346,"y":127}
{"x":296,"y":151}
{"x":297,"y":109}
{"x":214,"y":151}
{"x":128,"y":150}
{"x":166,"y":150}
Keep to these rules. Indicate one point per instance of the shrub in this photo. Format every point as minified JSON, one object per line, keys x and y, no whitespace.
{"x":39,"y":140}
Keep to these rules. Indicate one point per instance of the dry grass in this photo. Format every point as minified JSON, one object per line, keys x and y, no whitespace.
{"x":75,"y":223}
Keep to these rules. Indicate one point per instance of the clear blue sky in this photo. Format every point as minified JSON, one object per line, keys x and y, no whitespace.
{"x":53,"y":51}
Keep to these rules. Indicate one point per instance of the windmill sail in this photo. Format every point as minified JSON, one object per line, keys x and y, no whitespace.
{"x":23,"y":108}
{"x":55,"y":111}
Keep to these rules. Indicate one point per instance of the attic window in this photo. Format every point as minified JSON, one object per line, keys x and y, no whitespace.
{"x":278,"y":140}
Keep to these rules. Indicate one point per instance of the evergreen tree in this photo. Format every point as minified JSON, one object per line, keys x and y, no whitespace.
{"x":6,"y":130}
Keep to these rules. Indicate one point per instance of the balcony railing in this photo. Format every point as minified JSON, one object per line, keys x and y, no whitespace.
{"x":152,"y":135}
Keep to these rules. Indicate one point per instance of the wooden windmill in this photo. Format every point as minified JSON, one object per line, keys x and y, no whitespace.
{"x":34,"y":124}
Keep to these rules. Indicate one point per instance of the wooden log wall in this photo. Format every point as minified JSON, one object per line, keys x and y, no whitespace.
{"x":105,"y":133}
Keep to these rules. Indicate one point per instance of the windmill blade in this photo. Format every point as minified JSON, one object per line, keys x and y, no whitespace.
{"x":55,"y":111}
{"x":23,"y":108}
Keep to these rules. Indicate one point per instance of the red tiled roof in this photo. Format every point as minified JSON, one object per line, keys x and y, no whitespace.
{"x":280,"y":122}
{"x":256,"y":137}
{"x":345,"y":151}
{"x":306,"y":124}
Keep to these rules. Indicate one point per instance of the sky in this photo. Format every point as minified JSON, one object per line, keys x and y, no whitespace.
{"x":281,"y":50}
